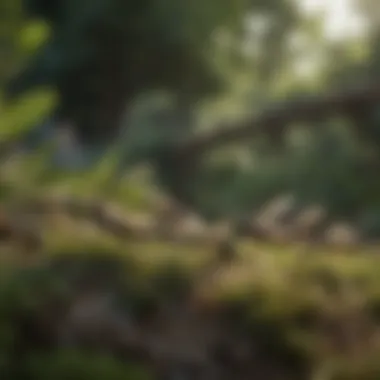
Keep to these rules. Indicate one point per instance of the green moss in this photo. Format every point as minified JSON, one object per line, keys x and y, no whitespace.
{"x":275,"y":299}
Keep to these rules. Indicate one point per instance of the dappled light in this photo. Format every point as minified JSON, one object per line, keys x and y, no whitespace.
{"x":189,"y":190}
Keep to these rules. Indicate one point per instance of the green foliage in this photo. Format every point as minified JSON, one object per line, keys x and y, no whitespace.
{"x":20,"y":41}
{"x":279,"y":301}
{"x":25,"y":113}
{"x":156,"y":45}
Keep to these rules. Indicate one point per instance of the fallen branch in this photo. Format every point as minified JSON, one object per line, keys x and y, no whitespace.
{"x":185,"y":230}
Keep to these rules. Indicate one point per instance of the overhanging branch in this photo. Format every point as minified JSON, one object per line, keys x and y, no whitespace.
{"x":273,"y":121}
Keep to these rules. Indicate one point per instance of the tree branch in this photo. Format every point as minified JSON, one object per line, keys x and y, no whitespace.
{"x":273,"y":121}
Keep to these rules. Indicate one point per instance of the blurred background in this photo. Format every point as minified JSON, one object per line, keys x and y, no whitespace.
{"x":164,"y":133}
{"x":138,"y":80}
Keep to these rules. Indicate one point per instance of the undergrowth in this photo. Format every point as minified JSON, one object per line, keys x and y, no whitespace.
{"x":315,"y":315}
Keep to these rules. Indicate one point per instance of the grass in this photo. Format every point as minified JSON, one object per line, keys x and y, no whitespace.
{"x":318,"y":307}
{"x":323,"y":304}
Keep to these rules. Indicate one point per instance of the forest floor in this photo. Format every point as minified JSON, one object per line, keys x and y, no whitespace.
{"x":274,"y":312}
